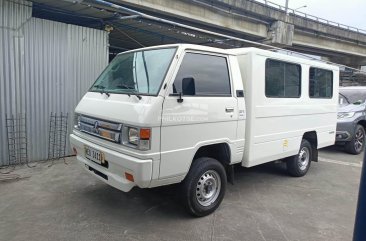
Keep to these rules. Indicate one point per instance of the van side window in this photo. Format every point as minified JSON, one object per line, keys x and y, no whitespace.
{"x":283,"y":80}
{"x":210,"y":74}
{"x":320,"y":83}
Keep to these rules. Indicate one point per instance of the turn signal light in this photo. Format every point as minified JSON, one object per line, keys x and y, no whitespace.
{"x":145,"y":134}
{"x":129,"y":177}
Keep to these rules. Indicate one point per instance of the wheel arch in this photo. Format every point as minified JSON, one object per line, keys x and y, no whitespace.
{"x":362,"y":123}
{"x":219,"y":151}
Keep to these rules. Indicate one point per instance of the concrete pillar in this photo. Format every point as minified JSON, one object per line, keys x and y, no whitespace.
{"x":281,"y":33}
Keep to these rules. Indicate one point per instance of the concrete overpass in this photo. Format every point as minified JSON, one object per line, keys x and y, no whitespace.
{"x":244,"y":19}
{"x":265,"y":24}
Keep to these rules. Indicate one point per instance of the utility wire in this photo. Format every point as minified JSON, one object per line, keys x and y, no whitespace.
{"x":128,"y":36}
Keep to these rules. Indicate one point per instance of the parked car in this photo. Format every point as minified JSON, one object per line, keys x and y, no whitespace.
{"x":188,"y":113}
{"x":352,"y":119}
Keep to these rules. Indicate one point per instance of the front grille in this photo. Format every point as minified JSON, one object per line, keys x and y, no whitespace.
{"x":104,"y":129}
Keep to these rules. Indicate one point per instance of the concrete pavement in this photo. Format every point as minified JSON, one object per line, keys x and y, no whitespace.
{"x":63,"y":202}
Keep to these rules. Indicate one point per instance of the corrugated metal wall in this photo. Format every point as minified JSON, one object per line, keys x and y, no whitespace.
{"x":45,"y":67}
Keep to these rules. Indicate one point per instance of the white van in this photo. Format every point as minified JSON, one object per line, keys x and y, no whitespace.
{"x":188,"y":113}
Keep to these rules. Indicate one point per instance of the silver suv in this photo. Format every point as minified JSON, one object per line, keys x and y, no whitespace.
{"x":352,"y":119}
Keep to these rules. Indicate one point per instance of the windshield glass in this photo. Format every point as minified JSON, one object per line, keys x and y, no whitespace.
{"x":352,"y":96}
{"x":139,"y":72}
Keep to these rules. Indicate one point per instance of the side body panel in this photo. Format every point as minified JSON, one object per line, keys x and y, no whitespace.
{"x":275,"y":126}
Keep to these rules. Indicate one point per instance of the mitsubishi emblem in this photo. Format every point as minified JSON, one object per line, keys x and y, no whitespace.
{"x":96,"y":127}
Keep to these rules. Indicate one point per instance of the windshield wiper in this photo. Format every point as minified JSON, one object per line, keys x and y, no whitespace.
{"x":102,"y":88}
{"x":129,"y":87}
{"x":135,"y":94}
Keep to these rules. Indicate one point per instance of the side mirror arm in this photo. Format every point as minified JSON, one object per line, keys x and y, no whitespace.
{"x":180,"y":99}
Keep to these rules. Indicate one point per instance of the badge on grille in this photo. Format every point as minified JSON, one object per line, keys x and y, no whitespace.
{"x":96,"y":127}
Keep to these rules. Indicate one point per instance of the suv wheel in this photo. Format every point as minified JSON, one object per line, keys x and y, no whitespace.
{"x":299,"y":164}
{"x":204,"y":187}
{"x":357,"y":144}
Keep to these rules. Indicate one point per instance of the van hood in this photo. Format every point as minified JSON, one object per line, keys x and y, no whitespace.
{"x":121,"y":108}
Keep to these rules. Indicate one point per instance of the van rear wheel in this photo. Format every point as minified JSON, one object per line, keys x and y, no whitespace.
{"x":299,"y":164}
{"x":204,"y":187}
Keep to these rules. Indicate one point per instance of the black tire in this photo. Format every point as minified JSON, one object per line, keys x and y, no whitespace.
{"x":298,"y":165}
{"x":357,"y":144}
{"x":204,"y":171}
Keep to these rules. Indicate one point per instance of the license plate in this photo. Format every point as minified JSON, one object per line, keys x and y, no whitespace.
{"x":94,"y":155}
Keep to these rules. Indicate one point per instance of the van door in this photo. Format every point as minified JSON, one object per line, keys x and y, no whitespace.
{"x":206,"y":113}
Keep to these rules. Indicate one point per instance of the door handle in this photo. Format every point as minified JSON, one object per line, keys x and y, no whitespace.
{"x":229,"y":109}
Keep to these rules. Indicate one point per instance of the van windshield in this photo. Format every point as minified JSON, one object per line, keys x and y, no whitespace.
{"x":139,"y":72}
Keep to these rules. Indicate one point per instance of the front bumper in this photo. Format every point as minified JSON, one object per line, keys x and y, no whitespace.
{"x":343,"y":136}
{"x":345,"y":131}
{"x":118,"y":165}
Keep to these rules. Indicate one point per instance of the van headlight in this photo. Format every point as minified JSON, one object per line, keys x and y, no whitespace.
{"x":77,"y":117}
{"x":345,"y":115}
{"x":136,"y":137}
{"x":133,"y":136}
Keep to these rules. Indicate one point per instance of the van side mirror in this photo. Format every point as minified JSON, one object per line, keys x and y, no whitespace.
{"x":188,"y":86}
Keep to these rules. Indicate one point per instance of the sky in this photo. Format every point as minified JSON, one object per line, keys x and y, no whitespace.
{"x":348,"y":12}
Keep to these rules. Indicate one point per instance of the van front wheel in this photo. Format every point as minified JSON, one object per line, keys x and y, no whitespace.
{"x":204,"y":186}
{"x":299,"y":164}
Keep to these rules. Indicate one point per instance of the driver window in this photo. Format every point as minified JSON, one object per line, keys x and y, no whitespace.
{"x":210,"y":73}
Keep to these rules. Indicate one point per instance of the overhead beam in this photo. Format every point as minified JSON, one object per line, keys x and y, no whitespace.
{"x":189,"y":11}
{"x":308,"y":34}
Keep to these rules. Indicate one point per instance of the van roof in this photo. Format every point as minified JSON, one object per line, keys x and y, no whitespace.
{"x":248,"y":50}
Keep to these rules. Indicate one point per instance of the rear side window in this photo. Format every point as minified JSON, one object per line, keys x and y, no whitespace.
{"x":283,"y":80}
{"x":210,"y":73}
{"x":320,"y":83}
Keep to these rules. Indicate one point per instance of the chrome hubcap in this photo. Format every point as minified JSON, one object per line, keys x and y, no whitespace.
{"x":304,"y":158}
{"x":359,"y":139}
{"x":208,"y":188}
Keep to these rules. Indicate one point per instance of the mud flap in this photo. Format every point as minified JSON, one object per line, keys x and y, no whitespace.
{"x":230,"y":173}
{"x":315,"y":154}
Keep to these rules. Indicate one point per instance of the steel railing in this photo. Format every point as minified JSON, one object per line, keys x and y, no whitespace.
{"x":309,"y":16}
